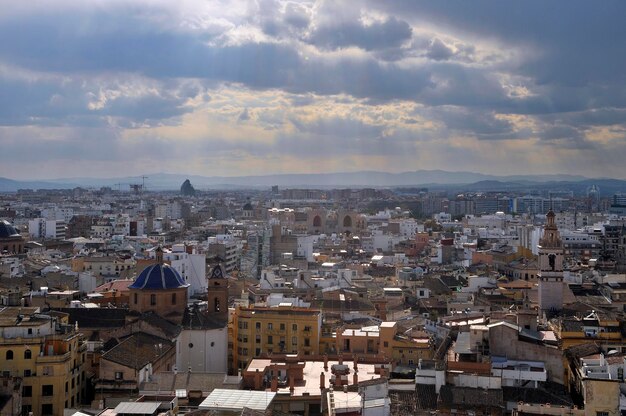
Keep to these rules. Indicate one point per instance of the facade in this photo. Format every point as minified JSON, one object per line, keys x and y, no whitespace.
{"x":10,"y":239}
{"x":41,"y":228}
{"x":160,"y":289}
{"x":550,"y":267}
{"x":131,"y":362}
{"x":268,"y":330}
{"x":203,"y":342}
{"x":383,"y":342}
{"x":48,"y":355}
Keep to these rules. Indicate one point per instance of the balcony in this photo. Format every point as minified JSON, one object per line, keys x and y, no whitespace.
{"x":47,"y":359}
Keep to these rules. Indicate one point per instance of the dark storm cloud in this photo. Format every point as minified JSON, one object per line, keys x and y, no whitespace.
{"x":378,"y":35}
{"x":481,"y":124}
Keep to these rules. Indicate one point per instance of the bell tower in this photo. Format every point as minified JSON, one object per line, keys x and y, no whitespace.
{"x":217,"y":293}
{"x":550,"y":267}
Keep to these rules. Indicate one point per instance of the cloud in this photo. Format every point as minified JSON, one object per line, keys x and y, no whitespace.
{"x":354,"y":83}
{"x":391,"y":32}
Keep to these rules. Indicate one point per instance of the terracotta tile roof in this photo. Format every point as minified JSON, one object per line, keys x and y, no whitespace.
{"x":137,"y":350}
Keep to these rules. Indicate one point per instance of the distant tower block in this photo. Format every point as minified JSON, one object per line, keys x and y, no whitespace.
{"x":550,"y":267}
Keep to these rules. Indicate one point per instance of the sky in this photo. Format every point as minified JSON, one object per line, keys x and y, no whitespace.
{"x":234,"y":87}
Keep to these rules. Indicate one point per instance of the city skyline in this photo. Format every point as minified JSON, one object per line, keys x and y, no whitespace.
{"x":229,"y":88}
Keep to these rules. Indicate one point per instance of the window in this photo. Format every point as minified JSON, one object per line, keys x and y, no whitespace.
{"x":270,"y":326}
{"x":9,"y":355}
{"x":307,"y":329}
{"x":307,"y":342}
{"x":173,"y":298}
{"x":257,"y":352}
{"x":294,"y":340}
{"x":270,"y":339}
{"x":135,"y":298}
{"x":28,"y":355}
{"x":385,"y":344}
{"x":153,"y":299}
{"x":258,"y":339}
{"x":30,"y":331}
{"x":294,"y":327}
{"x":67,"y":387}
{"x":282,"y":327}
{"x":47,"y":409}
{"x":27,"y":391}
{"x":257,"y":325}
{"x":119,"y":375}
{"x":27,"y":373}
{"x":47,"y":370}
{"x":47,"y":390}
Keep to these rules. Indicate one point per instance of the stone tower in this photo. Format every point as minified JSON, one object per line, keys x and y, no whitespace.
{"x":217,"y":293}
{"x":550,"y":267}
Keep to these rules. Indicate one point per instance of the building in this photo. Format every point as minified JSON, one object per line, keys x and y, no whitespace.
{"x":131,"y":362}
{"x":383,"y":342}
{"x":268,"y":330}
{"x":550,"y":267}
{"x":11,"y":240}
{"x":47,"y":354}
{"x":41,"y":228}
{"x":160,"y":289}
{"x":203,"y":341}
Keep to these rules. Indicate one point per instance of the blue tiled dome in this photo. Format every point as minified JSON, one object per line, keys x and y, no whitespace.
{"x":7,"y":230}
{"x":158,"y":276}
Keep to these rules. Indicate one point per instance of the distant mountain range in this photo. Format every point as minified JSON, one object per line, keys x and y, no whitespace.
{"x":435,"y":179}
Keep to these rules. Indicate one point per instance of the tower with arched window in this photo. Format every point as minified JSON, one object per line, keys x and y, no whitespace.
{"x":550,"y":274}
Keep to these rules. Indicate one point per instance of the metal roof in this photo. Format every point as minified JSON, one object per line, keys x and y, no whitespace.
{"x":137,"y":408}
{"x":236,"y":400}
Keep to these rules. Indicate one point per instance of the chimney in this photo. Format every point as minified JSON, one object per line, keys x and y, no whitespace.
{"x":322,"y":381}
{"x":356,"y":363}
{"x":325,"y":362}
{"x":355,"y":377}
{"x":274,"y":387}
{"x":292,"y":383}
{"x":340,"y":359}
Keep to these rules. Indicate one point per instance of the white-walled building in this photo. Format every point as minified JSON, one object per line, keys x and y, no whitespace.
{"x":48,"y":229}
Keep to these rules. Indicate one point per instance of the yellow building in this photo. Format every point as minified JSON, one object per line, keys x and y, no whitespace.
{"x":259,"y":330}
{"x":47,"y":354}
{"x":595,"y":327}
{"x":383,"y":342}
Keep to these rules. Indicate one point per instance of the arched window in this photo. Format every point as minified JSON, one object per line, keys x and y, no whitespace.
{"x":317,"y":221}
{"x":28,"y":355}
{"x":347,"y":221}
{"x":9,"y":355}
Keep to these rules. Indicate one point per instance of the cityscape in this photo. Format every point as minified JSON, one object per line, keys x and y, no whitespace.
{"x":314,"y":207}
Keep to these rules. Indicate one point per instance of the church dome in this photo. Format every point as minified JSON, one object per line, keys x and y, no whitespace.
{"x":158,"y":277}
{"x":7,"y":230}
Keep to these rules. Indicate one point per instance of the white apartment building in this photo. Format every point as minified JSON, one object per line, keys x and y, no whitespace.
{"x":58,"y":213}
{"x":39,"y":228}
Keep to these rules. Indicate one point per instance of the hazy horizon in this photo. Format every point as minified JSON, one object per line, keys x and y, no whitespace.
{"x":249,"y":88}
